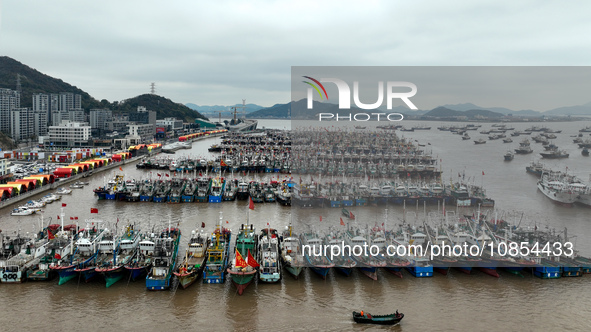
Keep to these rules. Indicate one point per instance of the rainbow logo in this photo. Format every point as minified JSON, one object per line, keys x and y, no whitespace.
{"x":316,"y":87}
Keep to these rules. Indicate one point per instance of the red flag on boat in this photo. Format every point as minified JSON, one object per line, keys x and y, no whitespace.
{"x":64,"y":204}
{"x":75,"y":218}
{"x":320,"y":218}
{"x":351,"y":215}
{"x":71,"y":218}
{"x":250,"y":203}
{"x":223,"y":164}
{"x":240,"y":262}
{"x":202,"y":225}
{"x":58,"y":217}
{"x":93,"y":210}
{"x":342,"y":222}
{"x":167,"y":175}
{"x":251,"y":261}
{"x":50,"y":235}
{"x":121,"y":169}
{"x":159,"y":175}
{"x":482,"y":172}
{"x":58,"y":256}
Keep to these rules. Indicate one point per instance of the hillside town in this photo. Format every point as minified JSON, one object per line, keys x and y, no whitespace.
{"x":56,"y":129}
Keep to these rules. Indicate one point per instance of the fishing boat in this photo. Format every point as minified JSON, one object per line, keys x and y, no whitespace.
{"x":60,"y":243}
{"x":554,"y":154}
{"x":147,"y":189}
{"x":343,"y":263}
{"x":509,"y":156}
{"x":218,"y":254}
{"x":188,"y":195}
{"x":243,"y":269}
{"x":139,"y":266}
{"x":163,"y":263}
{"x":217,"y":189}
{"x":161,"y":192}
{"x":19,"y":255}
{"x":480,"y":141}
{"x":177,"y":188}
{"x":268,"y":255}
{"x":242,"y":192}
{"x":108,"y":247}
{"x":201,"y":194}
{"x":291,"y":252}
{"x":230,"y":191}
{"x":313,"y":255}
{"x":367,"y":318}
{"x":113,"y":268}
{"x":82,"y":254}
{"x":556,"y":190}
{"x":585,"y":152}
{"x":193,"y":264}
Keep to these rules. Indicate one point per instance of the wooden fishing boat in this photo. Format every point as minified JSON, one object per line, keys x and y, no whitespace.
{"x":367,"y":318}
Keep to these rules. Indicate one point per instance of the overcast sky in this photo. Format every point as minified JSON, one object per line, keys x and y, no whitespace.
{"x":220,"y":52}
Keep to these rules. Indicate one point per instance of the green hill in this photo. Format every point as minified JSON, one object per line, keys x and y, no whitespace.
{"x":164,"y":108}
{"x":32,"y":81}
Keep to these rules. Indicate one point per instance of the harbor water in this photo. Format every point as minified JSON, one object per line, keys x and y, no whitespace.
{"x":456,"y":302}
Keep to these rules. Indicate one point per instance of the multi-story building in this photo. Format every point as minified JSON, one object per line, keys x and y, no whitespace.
{"x":69,"y":100}
{"x":170,"y":123}
{"x":118,"y":125}
{"x":21,"y":124}
{"x":69,"y":134}
{"x":40,"y":102}
{"x":76,"y":115}
{"x":9,"y":100}
{"x":58,"y":116}
{"x":40,"y":123}
{"x":145,"y":132}
{"x":99,"y":118}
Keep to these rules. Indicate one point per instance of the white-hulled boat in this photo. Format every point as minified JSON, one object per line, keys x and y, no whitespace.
{"x":22,"y":211}
{"x":557,"y":190}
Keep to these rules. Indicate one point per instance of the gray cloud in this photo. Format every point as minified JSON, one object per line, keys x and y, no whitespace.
{"x":219,"y":52}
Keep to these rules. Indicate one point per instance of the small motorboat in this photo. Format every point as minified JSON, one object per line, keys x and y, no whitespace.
{"x":63,"y":191}
{"x":585,"y":152}
{"x":22,"y":211}
{"x":367,"y":318}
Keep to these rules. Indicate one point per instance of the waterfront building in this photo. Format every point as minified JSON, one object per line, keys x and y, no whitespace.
{"x":69,"y":134}
{"x":145,"y":132}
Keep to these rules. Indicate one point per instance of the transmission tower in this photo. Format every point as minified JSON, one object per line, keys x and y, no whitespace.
{"x":18,"y":83}
{"x":153,"y":88}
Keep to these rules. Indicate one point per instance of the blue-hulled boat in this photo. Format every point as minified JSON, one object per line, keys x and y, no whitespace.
{"x":420,"y":267}
{"x":188,"y":195}
{"x":139,"y":266}
{"x":163,"y":264}
{"x":547,"y":269}
{"x":314,"y":258}
{"x":218,"y":255}
{"x":84,"y":252}
{"x":217,"y":190}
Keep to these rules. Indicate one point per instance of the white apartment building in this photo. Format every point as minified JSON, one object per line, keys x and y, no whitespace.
{"x":170,"y":123}
{"x":21,"y":124}
{"x":9,"y":100}
{"x":145,"y":132}
{"x":69,"y":134}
